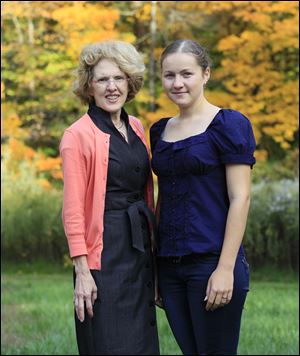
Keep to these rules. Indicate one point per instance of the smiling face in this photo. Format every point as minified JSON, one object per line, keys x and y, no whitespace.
{"x":183,"y":79}
{"x":109,"y":86}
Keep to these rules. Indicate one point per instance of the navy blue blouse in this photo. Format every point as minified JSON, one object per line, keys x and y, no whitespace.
{"x":192,"y":182}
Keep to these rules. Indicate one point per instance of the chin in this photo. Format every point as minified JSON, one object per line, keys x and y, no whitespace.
{"x":111,"y":108}
{"x":182,"y":103}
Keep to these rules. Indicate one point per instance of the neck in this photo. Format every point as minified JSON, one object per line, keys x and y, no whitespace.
{"x":116,"y":117}
{"x":194,"y":110}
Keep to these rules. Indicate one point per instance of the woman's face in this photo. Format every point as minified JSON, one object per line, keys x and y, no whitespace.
{"x":109,"y":86}
{"x":183,"y":79}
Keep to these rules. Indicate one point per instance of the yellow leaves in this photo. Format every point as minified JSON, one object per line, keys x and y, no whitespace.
{"x":261,"y":155}
{"x":83,"y":23}
{"x":165,"y":108}
{"x":16,"y":154}
{"x":44,"y":183}
{"x":33,"y":9}
{"x":49,"y":164}
{"x":254,"y":66}
{"x":219,"y":98}
{"x":11,"y":127}
{"x":78,"y":14}
{"x":2,"y":90}
{"x":143,"y":14}
{"x":262,"y":21}
{"x":127,"y":37}
{"x":20,"y":151}
{"x":143,"y":96}
{"x":285,"y":34}
{"x":288,"y":7}
{"x":211,"y":7}
{"x":231,"y":42}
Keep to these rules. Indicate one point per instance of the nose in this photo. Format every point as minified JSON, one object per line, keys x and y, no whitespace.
{"x":111,"y":85}
{"x":177,"y":82}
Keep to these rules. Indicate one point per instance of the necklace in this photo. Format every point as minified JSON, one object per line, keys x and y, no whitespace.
{"x":118,"y":128}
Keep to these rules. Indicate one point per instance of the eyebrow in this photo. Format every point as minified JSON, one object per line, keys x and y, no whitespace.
{"x":109,"y":75}
{"x":182,"y":70}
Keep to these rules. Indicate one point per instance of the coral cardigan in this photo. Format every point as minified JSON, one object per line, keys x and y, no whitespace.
{"x":84,"y":150}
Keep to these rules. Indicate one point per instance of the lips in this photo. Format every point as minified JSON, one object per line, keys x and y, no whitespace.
{"x":112,"y":98}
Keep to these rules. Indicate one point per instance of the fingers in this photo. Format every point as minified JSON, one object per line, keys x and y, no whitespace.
{"x":89,"y":301}
{"x":216,"y":300}
{"x":79,"y":307}
{"x":94,"y":295}
{"x":89,"y":307}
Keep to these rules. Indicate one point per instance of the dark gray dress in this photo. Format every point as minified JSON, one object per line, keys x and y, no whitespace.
{"x":124,"y":321}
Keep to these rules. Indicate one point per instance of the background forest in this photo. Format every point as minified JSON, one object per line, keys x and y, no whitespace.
{"x":254,"y":48}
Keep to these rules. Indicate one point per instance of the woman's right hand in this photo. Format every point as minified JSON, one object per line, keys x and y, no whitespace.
{"x":85,"y":291}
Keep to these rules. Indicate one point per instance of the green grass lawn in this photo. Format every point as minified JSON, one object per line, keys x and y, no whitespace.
{"x":37,"y":315}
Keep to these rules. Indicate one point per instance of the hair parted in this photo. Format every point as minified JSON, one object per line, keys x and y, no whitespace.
{"x":189,"y":47}
{"x":122,"y":53}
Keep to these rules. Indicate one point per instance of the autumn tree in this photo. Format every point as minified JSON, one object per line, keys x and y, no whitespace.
{"x":41,"y":42}
{"x":258,"y":72}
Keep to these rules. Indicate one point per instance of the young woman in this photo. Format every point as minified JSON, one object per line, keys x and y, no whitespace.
{"x":203,"y":159}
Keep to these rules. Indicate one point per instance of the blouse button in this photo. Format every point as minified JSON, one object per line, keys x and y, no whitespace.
{"x":151,"y":303}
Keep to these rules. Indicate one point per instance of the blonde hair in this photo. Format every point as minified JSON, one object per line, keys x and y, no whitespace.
{"x":123,"y":54}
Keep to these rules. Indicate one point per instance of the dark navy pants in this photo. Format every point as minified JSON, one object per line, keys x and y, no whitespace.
{"x":182,"y":287}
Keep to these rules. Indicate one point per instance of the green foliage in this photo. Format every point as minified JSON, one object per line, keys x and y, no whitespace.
{"x":272,"y":234}
{"x":30,"y":218}
{"x":270,"y":171}
{"x":31,"y":225}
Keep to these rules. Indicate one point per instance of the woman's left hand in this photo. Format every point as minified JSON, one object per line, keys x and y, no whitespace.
{"x":219,"y":289}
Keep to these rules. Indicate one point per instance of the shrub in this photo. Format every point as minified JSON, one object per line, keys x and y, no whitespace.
{"x":31,"y":224}
{"x":273,"y":225}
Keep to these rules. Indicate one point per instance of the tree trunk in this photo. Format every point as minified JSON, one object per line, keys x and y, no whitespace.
{"x":152,"y":68}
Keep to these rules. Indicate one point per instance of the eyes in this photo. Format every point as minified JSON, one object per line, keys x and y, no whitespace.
{"x":104,"y":81}
{"x":171,"y":75}
{"x":107,"y":79}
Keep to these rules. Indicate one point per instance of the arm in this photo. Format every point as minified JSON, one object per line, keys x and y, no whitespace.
{"x":75,"y":178}
{"x":221,"y":281}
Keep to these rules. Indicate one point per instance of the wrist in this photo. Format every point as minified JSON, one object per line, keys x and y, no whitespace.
{"x":81,"y":265}
{"x":226,"y":266}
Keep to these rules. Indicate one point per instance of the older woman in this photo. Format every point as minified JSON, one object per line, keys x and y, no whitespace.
{"x":107,"y":208}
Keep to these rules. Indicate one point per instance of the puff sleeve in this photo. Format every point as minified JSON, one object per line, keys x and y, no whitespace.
{"x":233,"y":137}
{"x":156,"y":131}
